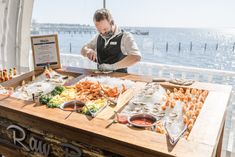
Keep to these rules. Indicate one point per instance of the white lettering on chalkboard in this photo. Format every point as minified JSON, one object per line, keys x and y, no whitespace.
{"x":37,"y":145}
{"x":71,"y":151}
{"x":34,"y":144}
{"x":18,"y":139}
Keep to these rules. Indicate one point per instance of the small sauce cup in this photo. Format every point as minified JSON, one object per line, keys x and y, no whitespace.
{"x":121,"y":118}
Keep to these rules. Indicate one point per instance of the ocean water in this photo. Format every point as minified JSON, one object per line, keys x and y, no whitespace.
{"x":205,"y":48}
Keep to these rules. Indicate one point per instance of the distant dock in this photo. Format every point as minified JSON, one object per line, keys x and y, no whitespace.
{"x":62,"y":28}
{"x":38,"y":28}
{"x":137,"y":31}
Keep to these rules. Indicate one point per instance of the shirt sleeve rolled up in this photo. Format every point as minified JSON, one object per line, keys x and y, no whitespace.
{"x":128,"y":45}
{"x":91,"y":45}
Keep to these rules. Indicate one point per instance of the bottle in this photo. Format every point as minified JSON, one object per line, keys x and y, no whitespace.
{"x":5,"y":75}
{"x":14,"y":71}
{"x":47,"y":72}
{"x":10,"y":73}
{"x":49,"y":67}
{"x":1,"y":76}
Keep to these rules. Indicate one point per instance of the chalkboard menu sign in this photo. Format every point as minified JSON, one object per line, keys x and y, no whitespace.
{"x":45,"y":51}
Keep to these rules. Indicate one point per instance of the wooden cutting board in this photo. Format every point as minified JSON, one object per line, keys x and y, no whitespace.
{"x":123,"y":99}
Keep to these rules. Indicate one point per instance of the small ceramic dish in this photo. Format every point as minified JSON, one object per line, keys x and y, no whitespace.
{"x":142,"y":120}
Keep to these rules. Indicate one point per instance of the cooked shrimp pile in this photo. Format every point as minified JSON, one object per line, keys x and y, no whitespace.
{"x":87,"y":90}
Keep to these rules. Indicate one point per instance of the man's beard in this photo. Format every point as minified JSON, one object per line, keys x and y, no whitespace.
{"x":108,"y":34}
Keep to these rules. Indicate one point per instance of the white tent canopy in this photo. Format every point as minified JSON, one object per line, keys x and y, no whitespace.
{"x":15,"y":25}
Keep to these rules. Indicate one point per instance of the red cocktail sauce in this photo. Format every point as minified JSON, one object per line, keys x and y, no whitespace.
{"x":142,"y":121}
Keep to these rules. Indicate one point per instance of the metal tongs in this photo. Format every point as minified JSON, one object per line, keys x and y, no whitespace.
{"x":175,"y":81}
{"x":93,"y":114}
{"x":174,"y":140}
{"x":112,"y":102}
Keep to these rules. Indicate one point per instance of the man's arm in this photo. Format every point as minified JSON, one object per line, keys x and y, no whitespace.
{"x":89,"y":49}
{"x":130,"y":49}
{"x":128,"y":61}
{"x":124,"y":63}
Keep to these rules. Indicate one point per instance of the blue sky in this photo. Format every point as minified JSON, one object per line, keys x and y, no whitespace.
{"x":145,"y":13}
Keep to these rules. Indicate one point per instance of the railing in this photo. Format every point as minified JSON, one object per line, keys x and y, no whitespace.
{"x":162,"y":47}
{"x":190,"y":46}
{"x":160,"y":70}
{"x":171,"y":71}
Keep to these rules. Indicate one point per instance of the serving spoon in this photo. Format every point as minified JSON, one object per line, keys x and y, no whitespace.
{"x":112,"y":102}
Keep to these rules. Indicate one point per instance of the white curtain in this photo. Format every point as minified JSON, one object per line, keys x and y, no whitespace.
{"x":15,"y":25}
{"x":3,"y":27}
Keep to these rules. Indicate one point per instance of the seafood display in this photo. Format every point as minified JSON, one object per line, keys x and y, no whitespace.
{"x":110,"y":81}
{"x":39,"y":85}
{"x":101,"y":87}
{"x":5,"y":91}
{"x":148,"y":100}
{"x":171,"y":110}
{"x":175,"y":109}
{"x":94,"y":92}
{"x":87,"y":90}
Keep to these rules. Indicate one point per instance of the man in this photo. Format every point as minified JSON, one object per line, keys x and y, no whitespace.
{"x":113,"y":49}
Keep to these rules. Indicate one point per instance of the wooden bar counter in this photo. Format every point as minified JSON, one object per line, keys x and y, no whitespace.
{"x":27,"y":129}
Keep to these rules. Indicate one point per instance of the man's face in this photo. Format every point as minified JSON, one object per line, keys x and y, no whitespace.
{"x":104,"y":28}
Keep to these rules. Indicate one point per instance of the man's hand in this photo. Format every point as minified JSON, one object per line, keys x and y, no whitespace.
{"x":91,"y":54}
{"x":107,"y":67}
